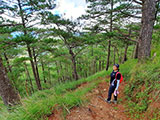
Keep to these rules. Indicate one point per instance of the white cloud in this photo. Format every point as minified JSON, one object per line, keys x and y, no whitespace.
{"x":67,"y":8}
{"x":70,"y":8}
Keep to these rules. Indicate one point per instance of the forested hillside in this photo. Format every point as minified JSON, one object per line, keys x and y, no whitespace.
{"x":51,"y":63}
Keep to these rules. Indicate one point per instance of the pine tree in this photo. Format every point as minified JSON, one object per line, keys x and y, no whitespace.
{"x":68,"y":32}
{"x":26,"y":11}
{"x":148,"y":19}
{"x":9,"y":95}
{"x":108,"y":15}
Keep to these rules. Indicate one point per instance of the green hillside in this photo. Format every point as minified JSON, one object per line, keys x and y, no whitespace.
{"x":64,"y":59}
{"x":141,"y":92}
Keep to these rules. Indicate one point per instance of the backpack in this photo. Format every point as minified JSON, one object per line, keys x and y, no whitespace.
{"x":121,"y":79}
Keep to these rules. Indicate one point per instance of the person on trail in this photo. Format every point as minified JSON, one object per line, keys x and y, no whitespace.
{"x":114,"y":84}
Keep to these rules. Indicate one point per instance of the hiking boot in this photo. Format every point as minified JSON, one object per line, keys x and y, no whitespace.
{"x":115,"y":102}
{"x":108,"y":101}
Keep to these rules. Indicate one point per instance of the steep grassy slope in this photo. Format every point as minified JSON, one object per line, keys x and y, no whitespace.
{"x":42,"y":102}
{"x":143,"y":89}
{"x":142,"y":93}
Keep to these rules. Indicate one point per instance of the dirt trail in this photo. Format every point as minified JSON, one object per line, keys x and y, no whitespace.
{"x":97,"y":108}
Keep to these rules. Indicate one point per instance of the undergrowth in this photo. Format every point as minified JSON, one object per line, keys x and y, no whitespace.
{"x":41,"y":103}
{"x":143,"y":87}
{"x":142,"y":80}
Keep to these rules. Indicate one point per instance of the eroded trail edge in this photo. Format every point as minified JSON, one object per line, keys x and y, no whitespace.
{"x":96,"y":108}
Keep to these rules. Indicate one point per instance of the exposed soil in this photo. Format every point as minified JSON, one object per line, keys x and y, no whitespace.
{"x":56,"y":114}
{"x":97,"y":108}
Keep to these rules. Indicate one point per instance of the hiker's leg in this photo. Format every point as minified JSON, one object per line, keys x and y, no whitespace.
{"x":111,"y":90}
{"x":115,"y":97}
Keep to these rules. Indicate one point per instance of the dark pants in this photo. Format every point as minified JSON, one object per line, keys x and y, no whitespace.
{"x":110,"y":92}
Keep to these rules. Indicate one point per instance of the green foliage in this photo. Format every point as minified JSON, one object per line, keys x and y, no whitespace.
{"x":61,"y":41}
{"x":41,"y":103}
{"x":25,"y":38}
{"x":143,"y":82}
{"x":127,"y":67}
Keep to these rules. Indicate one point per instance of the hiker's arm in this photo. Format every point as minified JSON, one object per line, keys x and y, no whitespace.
{"x":118,"y":81}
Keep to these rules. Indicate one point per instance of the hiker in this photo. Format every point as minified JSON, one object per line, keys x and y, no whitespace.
{"x":114,"y":84}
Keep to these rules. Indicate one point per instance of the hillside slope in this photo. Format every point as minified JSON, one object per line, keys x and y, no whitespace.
{"x":139,"y":97}
{"x":97,"y":108}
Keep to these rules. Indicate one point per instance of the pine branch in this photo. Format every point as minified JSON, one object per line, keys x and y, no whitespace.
{"x":80,"y":51}
{"x":127,"y":39}
{"x":3,"y":25}
{"x":129,"y":15}
{"x":124,"y":35}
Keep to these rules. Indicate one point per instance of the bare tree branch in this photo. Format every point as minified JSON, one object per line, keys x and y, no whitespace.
{"x":140,"y":3}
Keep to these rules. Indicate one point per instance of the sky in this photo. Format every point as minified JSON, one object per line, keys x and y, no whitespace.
{"x":70,"y":8}
{"x":67,"y":8}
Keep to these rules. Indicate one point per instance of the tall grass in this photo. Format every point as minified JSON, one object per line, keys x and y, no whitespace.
{"x":142,"y":86}
{"x":41,"y":103}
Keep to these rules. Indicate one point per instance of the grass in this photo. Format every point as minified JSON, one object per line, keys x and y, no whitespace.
{"x":142,"y":86}
{"x":41,"y":103}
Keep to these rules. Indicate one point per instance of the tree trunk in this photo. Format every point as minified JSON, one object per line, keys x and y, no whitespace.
{"x":95,"y":65}
{"x":75,"y":75}
{"x":121,"y":56}
{"x":8,"y":64}
{"x":33,"y":68}
{"x":108,"y":56}
{"x":49,"y":77}
{"x":9,"y":69}
{"x":36,"y":69}
{"x":100,"y":64}
{"x":7,"y":92}
{"x":96,"y":69}
{"x":43,"y":70}
{"x":103,"y":65}
{"x":109,"y":42}
{"x":58,"y":72}
{"x":114,"y":58}
{"x":119,"y":59}
{"x":136,"y":51}
{"x":26,"y":86}
{"x":29,"y":77}
{"x":125,"y":53}
{"x":148,"y":19}
{"x":28,"y":47}
{"x":132,"y":56}
{"x":61,"y":71}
